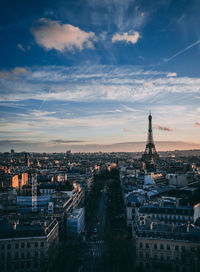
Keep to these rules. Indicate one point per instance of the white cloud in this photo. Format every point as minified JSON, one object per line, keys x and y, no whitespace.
{"x":197,"y":124}
{"x":4,"y":74}
{"x":122,"y":14}
{"x":39,"y":113}
{"x":129,"y":37}
{"x":148,"y":84}
{"x":129,"y":108}
{"x":171,"y":74}
{"x":163,"y":128}
{"x":19,"y":70}
{"x":95,"y":83}
{"x":13,"y":73}
{"x":53,"y":35}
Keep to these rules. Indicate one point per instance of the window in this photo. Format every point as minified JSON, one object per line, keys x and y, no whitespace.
{"x":192,"y":249}
{"x":192,"y":261}
{"x":28,"y":254}
{"x":36,"y":244}
{"x":183,"y":248}
{"x":8,"y":255}
{"x":28,"y":244}
{"x":8,"y":246}
{"x":155,"y":256}
{"x":168,"y":247}
{"x":16,"y":246}
{"x":141,"y":254}
{"x":42,"y":244}
{"x":22,"y":245}
{"x":42,"y":253}
{"x":8,"y":267}
{"x":147,"y":255}
{"x":168,"y":257}
{"x":28,"y":265}
{"x":147,"y":245}
{"x":183,"y":258}
{"x":161,"y":246}
{"x":22,"y":265}
{"x":176,"y":258}
{"x":2,"y":247}
{"x":16,"y":255}
{"x":2,"y":256}
{"x":176,"y":248}
{"x":22,"y":255}
{"x":161,"y":257}
{"x":155,"y":246}
{"x":36,"y":254}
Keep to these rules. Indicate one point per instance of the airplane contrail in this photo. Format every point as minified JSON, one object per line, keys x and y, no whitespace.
{"x":182,"y":51}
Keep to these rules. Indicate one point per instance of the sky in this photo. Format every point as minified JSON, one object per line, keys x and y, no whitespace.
{"x":80,"y":73}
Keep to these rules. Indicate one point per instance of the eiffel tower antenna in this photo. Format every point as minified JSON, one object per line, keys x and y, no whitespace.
{"x":150,"y":153}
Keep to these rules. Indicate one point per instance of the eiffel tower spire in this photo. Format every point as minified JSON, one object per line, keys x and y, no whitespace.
{"x":150,"y":153}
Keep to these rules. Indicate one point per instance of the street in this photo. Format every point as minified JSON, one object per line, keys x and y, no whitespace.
{"x":95,"y":247}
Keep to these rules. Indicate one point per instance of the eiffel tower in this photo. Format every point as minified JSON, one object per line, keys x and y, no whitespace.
{"x":150,"y":153}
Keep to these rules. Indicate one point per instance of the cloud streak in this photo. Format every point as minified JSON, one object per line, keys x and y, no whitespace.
{"x":182,"y":51}
{"x":164,"y":128}
{"x":89,"y":100}
{"x":127,"y":130}
{"x":60,"y":141}
{"x":93,"y":83}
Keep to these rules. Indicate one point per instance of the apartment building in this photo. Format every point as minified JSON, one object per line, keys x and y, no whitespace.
{"x":27,"y":244}
{"x":174,"y":247}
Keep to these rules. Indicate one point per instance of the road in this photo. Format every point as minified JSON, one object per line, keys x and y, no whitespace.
{"x":96,"y":247}
{"x":101,"y":215}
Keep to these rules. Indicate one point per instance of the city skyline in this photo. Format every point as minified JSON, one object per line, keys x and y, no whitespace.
{"x":69,"y":81}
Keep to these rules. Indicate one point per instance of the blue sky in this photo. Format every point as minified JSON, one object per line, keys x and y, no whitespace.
{"x":88,"y":72}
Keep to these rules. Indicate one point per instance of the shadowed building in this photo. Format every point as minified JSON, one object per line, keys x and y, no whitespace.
{"x":27,"y":244}
{"x":162,"y":247}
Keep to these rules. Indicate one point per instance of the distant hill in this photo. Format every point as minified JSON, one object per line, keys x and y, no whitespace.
{"x":84,"y":147}
{"x":135,"y":147}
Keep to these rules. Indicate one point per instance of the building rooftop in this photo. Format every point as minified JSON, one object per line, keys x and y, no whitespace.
{"x":157,"y":209}
{"x":25,"y":228}
{"x":76,"y":213}
{"x":184,"y":232}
